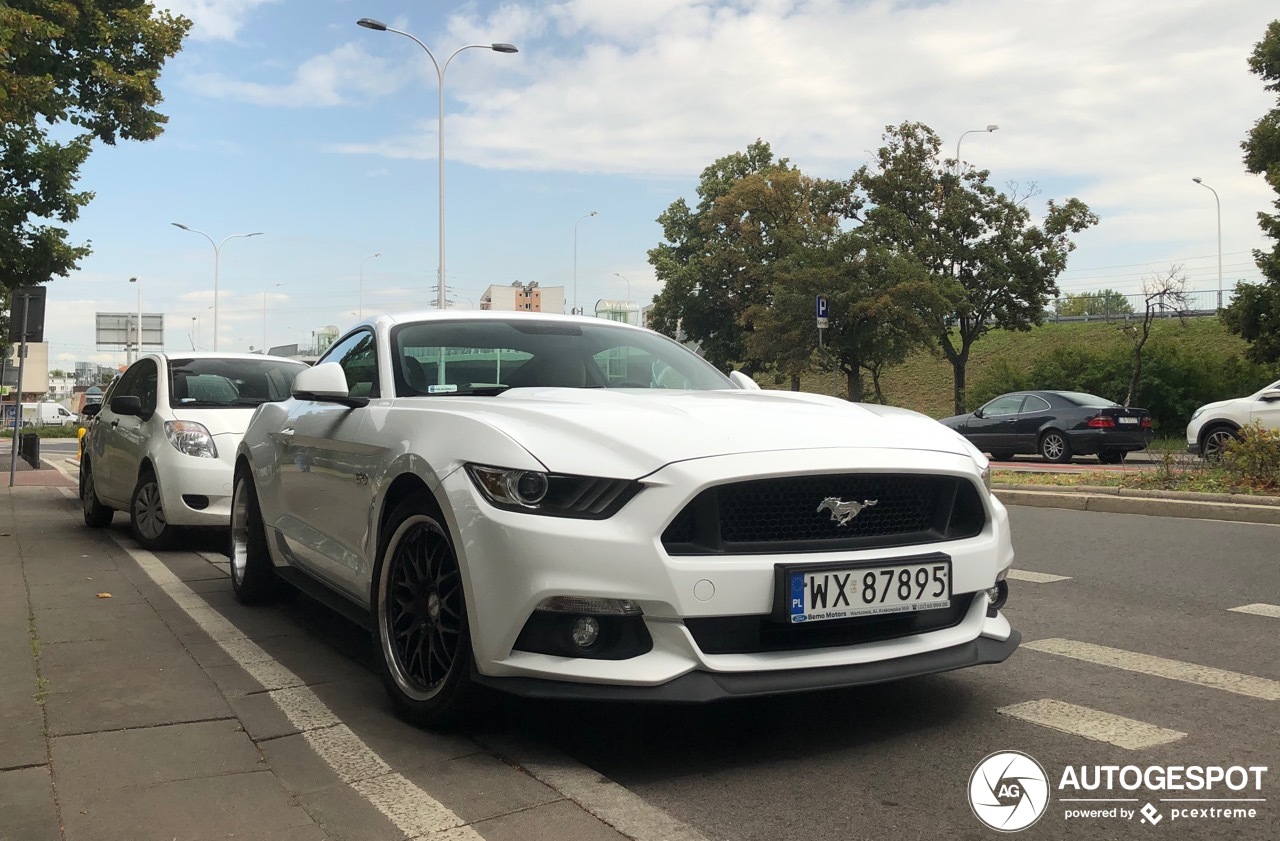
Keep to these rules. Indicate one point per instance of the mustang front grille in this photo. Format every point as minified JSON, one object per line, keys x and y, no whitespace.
{"x":826,"y":513}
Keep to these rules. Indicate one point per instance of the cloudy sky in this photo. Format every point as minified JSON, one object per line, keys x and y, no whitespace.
{"x":288,"y":119}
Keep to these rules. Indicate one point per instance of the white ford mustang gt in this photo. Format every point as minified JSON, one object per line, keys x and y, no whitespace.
{"x":567,"y":507}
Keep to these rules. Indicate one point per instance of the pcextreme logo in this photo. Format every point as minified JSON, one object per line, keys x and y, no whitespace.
{"x":1009,"y":791}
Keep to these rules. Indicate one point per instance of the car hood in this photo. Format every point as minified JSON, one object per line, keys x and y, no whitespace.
{"x":631,"y":433}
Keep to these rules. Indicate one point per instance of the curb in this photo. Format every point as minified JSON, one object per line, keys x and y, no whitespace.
{"x":1149,"y":503}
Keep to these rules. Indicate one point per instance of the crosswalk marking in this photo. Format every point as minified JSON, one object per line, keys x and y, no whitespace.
{"x":1240,"y":684}
{"x":1271,"y":610}
{"x":1036,"y":577}
{"x":1117,"y":730}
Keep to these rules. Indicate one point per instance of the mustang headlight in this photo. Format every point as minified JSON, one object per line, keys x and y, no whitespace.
{"x":552,"y":494}
{"x":190,"y":438}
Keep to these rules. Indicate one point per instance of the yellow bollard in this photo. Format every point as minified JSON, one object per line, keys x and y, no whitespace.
{"x":80,"y":443}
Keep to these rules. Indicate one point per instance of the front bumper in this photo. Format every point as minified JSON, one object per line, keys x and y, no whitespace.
{"x":512,"y":561}
{"x":703,"y":687}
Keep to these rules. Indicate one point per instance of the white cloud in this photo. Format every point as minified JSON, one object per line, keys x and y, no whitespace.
{"x":214,"y":20}
{"x":337,"y":77}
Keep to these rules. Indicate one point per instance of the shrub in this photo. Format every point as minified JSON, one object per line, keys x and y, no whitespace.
{"x":1255,"y":456}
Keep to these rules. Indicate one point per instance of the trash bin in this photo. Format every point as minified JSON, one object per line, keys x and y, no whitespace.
{"x":29,"y":448}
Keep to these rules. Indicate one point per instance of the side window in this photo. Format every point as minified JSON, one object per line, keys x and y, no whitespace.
{"x":1007,"y":405}
{"x":127,"y":383}
{"x":358,"y":356}
{"x":1035,"y":404}
{"x":147,"y":384}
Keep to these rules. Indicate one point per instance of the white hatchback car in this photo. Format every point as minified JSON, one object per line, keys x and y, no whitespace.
{"x":162,"y":444}
{"x":559,"y":506}
{"x":1214,"y":424}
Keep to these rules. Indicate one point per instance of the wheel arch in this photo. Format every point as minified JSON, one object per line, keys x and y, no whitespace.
{"x":1213,"y":426}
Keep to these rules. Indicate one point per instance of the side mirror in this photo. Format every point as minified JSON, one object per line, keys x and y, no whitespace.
{"x":743,"y":382}
{"x":977,"y":413}
{"x":90,"y":410}
{"x":326,"y":382}
{"x":127,"y":405}
{"x":1269,"y":395}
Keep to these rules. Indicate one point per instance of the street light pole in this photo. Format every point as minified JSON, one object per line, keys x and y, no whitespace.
{"x":628,"y":301}
{"x":1218,"y":204}
{"x":138,"y":334}
{"x":360,"y":307}
{"x":379,"y":26}
{"x":575,"y":261}
{"x":217,"y":253}
{"x":962,"y":134}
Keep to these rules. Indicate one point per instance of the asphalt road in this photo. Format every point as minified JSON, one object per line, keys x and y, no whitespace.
{"x":894,"y":761}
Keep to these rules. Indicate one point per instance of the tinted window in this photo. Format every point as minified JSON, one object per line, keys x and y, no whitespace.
{"x":1090,"y":401}
{"x":357,"y":354}
{"x":484,"y":356}
{"x":229,"y":382}
{"x":1006,"y":405}
{"x":140,"y":381}
{"x":1034,"y":404}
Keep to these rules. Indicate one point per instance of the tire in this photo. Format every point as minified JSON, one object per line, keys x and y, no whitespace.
{"x":1111,"y":458}
{"x":253,"y":577}
{"x":1002,"y":455}
{"x":1055,"y":447}
{"x":146,"y":513}
{"x":1215,"y":440}
{"x":96,"y":515}
{"x":418,"y":601}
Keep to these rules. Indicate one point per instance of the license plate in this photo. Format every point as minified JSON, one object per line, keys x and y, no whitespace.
{"x":815,"y":594}
{"x":1128,"y":420}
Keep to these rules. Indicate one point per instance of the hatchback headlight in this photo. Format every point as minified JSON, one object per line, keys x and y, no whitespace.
{"x":1197,"y":413}
{"x":191,"y":438}
{"x":552,"y":494}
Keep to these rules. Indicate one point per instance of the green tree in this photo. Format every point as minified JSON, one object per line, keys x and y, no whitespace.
{"x":1106,"y":303}
{"x":70,"y":73}
{"x":1254,"y":314}
{"x":715,"y":262}
{"x":988,"y":264}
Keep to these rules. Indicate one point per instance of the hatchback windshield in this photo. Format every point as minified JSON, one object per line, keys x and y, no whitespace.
{"x":229,"y":382}
{"x":488,"y":356}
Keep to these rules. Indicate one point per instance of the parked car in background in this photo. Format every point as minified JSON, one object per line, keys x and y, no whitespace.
{"x":47,"y":413}
{"x":1055,"y":425}
{"x":568,"y":507}
{"x":1213,"y":425}
{"x":162,"y":444}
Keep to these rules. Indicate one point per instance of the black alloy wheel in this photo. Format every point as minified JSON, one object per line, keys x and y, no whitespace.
{"x":253,"y":577}
{"x":1054,"y":447}
{"x":424,"y":643}
{"x":1111,"y":457}
{"x":1002,"y":455}
{"x":96,"y":515}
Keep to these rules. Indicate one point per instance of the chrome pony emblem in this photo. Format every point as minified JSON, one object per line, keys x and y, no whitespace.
{"x":842,"y":512}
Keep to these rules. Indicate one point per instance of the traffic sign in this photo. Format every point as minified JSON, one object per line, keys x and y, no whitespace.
{"x":821,"y":305}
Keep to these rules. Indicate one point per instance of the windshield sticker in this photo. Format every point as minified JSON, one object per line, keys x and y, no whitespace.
{"x":441,"y":389}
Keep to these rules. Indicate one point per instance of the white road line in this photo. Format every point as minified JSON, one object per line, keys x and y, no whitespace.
{"x":1240,"y":684}
{"x":1272,"y":610}
{"x":1122,"y":732}
{"x":1036,"y":577}
{"x":415,"y":813}
{"x":611,"y":803}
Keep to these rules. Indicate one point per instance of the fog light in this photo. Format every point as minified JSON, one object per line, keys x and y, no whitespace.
{"x":586,"y":631}
{"x":997,"y":596}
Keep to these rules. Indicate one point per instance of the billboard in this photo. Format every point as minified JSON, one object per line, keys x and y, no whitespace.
{"x":35,"y":297}
{"x":118,"y":330}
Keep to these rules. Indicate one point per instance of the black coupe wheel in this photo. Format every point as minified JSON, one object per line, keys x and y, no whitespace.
{"x":1215,"y":442}
{"x":253,"y":578}
{"x":420,"y":629}
{"x":1002,"y":455}
{"x":1111,"y":458}
{"x":96,"y":515}
{"x":1054,"y":447}
{"x":146,"y":513}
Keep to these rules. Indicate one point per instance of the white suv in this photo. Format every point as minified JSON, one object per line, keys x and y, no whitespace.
{"x":1213,"y":425}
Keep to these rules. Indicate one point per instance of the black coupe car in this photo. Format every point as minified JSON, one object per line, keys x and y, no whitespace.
{"x":1055,"y":425}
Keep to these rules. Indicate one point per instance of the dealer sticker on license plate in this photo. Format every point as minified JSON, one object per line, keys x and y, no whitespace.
{"x":833,"y":593}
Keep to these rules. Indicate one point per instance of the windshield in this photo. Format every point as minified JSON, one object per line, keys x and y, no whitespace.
{"x":1089,"y":401}
{"x":489,"y":356}
{"x":229,"y":382}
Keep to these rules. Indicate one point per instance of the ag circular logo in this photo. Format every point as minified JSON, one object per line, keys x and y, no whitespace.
{"x":1008,"y":791}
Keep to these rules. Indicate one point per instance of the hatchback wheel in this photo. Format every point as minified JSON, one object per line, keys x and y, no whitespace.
{"x":253,"y":577}
{"x":1054,"y":447}
{"x":1215,"y":442}
{"x":96,"y":515}
{"x":146,"y":514}
{"x":420,"y":628}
